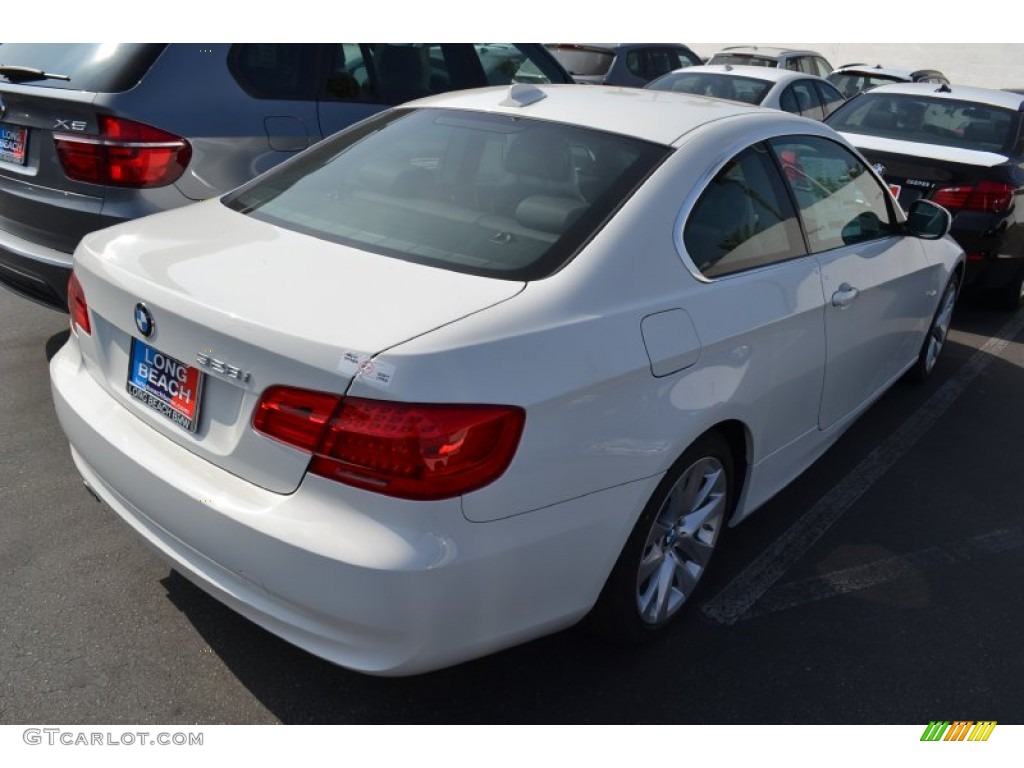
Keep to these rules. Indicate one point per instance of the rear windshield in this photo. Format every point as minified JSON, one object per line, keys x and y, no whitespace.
{"x":928,"y":120}
{"x":97,"y":67}
{"x":743,"y":59}
{"x":852,"y":83}
{"x":484,"y":194}
{"x":749,"y":90}
{"x":586,"y":62}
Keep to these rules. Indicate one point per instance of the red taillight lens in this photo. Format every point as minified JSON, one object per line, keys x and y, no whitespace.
{"x":77,"y":306}
{"x":986,"y":196}
{"x":125,"y":154}
{"x":297,"y":417}
{"x":412,"y":451}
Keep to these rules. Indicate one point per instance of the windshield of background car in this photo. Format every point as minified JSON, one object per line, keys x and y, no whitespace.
{"x":486,"y":194}
{"x":96,"y":67}
{"x":583,"y":61}
{"x":749,"y":90}
{"x":929,"y":121}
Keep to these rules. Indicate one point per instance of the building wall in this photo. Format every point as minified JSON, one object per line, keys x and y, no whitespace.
{"x":988,"y":65}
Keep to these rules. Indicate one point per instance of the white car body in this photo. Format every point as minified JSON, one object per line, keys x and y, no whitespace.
{"x":725,"y":81}
{"x":620,"y":360}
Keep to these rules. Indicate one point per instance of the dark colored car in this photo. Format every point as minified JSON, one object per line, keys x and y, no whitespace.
{"x":96,"y":134}
{"x":851,"y":79}
{"x":629,"y":64}
{"x":962,"y":148}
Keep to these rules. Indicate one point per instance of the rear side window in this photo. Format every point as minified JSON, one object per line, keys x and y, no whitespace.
{"x":484,"y":194}
{"x":275,"y":70}
{"x":829,"y":96}
{"x":801,"y":98}
{"x":96,"y":67}
{"x":393,"y":73}
{"x":744,"y":218}
{"x":927,"y":120}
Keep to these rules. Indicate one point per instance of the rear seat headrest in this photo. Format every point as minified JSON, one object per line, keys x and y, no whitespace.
{"x":539,"y":154}
{"x":394,"y":177}
{"x":549,"y":214}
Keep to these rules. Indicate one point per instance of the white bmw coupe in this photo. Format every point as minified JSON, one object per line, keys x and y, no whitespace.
{"x":489,"y":363}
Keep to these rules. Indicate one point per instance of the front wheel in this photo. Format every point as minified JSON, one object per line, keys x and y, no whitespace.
{"x":668,"y":551}
{"x":935,"y":339}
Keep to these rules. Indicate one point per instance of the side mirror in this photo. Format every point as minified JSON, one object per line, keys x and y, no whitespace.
{"x":928,"y":220}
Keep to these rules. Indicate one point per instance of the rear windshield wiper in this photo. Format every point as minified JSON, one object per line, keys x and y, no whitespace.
{"x":22,"y":74}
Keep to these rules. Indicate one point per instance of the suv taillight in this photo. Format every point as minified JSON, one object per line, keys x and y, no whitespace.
{"x":410,"y":450}
{"x":124,"y":154}
{"x":986,"y":196}
{"x":77,"y":306}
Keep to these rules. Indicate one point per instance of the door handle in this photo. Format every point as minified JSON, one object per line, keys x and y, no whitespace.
{"x":845,"y":295}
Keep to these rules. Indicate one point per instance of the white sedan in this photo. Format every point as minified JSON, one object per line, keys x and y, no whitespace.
{"x":481,"y":366}
{"x":795,"y":92}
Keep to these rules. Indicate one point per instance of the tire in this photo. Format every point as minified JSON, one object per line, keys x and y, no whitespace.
{"x":938,"y":331}
{"x":669,"y":548}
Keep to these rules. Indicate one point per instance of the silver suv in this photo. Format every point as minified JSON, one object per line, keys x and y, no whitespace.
{"x":94,"y":134}
{"x":808,"y":62}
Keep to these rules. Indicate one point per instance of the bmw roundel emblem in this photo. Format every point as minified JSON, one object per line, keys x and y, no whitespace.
{"x":144,"y":320}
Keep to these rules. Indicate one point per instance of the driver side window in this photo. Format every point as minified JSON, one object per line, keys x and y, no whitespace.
{"x":840,"y":201}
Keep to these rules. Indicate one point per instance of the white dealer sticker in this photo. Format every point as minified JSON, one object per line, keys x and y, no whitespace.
{"x":373,"y":372}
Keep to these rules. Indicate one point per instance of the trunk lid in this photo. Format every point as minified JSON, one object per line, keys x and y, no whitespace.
{"x":918,"y":170}
{"x":251,"y":305}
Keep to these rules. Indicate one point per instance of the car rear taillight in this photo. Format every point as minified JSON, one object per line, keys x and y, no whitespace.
{"x":986,"y":196}
{"x":77,"y":306}
{"x":410,"y":450}
{"x":124,"y":154}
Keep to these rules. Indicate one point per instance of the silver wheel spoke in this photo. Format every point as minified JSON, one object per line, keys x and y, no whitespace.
{"x":695,"y":550}
{"x":688,"y":576}
{"x":650,"y":563}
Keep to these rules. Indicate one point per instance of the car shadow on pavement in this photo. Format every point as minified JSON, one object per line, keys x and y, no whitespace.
{"x":55,"y":342}
{"x":569,"y":677}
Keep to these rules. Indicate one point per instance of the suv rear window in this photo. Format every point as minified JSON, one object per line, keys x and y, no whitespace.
{"x":743,"y":59}
{"x":480,"y":193}
{"x":96,"y":67}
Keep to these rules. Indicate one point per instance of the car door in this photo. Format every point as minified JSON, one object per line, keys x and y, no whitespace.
{"x":878,"y":285}
{"x":760,"y":317}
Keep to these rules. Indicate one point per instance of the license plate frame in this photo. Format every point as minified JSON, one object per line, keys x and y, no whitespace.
{"x":165,"y":384}
{"x":13,"y":144}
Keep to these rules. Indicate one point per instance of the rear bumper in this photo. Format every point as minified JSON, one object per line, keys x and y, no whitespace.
{"x":994,"y":248}
{"x":34,"y":271}
{"x":375,"y":584}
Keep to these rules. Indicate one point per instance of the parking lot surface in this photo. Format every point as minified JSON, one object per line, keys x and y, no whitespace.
{"x":881,"y":587}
